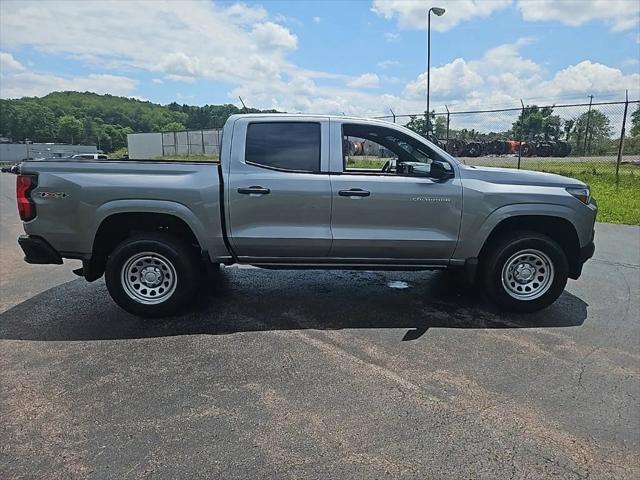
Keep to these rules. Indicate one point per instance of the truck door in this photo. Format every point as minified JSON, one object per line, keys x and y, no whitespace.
{"x":278,"y":192}
{"x":395,"y":199}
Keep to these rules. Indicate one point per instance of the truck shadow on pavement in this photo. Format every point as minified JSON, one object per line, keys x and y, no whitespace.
{"x":248,"y":300}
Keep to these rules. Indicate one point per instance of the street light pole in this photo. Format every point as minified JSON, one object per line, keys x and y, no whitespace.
{"x":439,"y":12}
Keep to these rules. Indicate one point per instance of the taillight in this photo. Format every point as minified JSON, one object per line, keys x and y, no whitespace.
{"x":26,"y":207}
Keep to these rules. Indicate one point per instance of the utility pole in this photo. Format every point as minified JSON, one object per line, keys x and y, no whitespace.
{"x":439,"y":12}
{"x":586,"y":131}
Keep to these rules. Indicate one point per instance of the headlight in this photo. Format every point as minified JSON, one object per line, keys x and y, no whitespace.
{"x":581,"y":194}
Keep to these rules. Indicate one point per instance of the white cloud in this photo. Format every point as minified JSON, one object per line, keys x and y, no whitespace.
{"x":388,"y":64}
{"x":233,"y":43}
{"x":413,"y":14}
{"x":590,"y":78}
{"x":180,"y":64}
{"x":629,"y":62}
{"x":618,"y":14}
{"x":452,"y":80}
{"x":391,"y":37}
{"x":271,"y":35}
{"x":31,"y":84}
{"x":7,"y":62}
{"x":180,"y":78}
{"x":157,"y":80}
{"x":241,"y":13}
{"x":503,"y":76}
{"x":366,"y":80}
{"x":317,"y":19}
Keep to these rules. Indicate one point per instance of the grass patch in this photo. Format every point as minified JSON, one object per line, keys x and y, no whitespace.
{"x":362,"y":161}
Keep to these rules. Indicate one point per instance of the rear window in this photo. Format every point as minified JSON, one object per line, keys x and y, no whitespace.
{"x":291,"y":146}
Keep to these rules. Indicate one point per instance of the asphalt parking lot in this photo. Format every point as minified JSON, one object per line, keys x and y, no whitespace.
{"x":319,"y":375}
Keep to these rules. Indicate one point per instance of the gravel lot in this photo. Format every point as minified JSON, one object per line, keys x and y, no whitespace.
{"x":319,"y":375}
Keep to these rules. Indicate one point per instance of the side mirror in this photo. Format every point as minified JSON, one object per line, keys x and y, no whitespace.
{"x":441,"y":170}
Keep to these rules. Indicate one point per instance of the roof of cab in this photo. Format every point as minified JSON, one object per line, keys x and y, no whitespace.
{"x":308,"y":115}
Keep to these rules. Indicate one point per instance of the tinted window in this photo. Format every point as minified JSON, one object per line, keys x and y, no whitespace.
{"x":284,"y":145}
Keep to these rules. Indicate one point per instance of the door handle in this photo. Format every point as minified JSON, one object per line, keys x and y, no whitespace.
{"x":254,"y":190}
{"x":354,"y":192}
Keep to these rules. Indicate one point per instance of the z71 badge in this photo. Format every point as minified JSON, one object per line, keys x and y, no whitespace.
{"x":53,"y":195}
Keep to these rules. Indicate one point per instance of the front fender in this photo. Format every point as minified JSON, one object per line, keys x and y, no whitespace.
{"x":473,"y":235}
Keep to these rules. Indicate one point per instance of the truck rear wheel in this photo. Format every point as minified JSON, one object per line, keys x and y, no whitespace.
{"x":152,"y":275}
{"x":524,"y":272}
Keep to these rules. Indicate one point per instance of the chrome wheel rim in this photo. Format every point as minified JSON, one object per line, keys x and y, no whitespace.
{"x":148,"y":278}
{"x":527,"y":274}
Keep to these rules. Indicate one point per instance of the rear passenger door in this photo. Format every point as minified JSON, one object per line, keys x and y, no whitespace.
{"x":279,"y":193}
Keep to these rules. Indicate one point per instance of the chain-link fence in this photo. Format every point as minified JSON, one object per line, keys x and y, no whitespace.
{"x":597,"y":138}
{"x":196,"y":144}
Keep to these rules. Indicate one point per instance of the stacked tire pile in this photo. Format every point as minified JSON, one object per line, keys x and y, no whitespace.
{"x":475,"y":148}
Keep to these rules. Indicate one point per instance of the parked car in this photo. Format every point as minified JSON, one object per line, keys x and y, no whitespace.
{"x":90,"y":156}
{"x":286,"y":194}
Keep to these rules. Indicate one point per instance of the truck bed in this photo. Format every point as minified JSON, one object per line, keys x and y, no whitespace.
{"x":74,"y":197}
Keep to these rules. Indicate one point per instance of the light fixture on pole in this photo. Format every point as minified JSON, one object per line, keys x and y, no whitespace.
{"x":439,"y":12}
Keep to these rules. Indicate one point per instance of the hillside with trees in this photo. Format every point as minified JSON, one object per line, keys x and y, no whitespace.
{"x":103,"y":120}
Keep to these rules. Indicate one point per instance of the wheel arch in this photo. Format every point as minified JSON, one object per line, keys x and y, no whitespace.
{"x":114,"y":224}
{"x":558,"y":228}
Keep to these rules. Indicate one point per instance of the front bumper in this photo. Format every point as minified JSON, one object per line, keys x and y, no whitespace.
{"x":38,"y":251}
{"x":584,"y":254}
{"x":587,"y":252}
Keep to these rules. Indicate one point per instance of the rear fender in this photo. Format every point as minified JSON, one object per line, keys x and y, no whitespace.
{"x":151,"y":206}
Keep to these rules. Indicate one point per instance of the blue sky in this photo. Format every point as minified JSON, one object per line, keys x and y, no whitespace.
{"x":358,"y":57}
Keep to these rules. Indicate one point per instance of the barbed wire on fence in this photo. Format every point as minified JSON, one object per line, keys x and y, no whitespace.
{"x":595,"y":136}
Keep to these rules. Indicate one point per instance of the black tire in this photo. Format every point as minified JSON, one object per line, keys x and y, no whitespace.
{"x":502,"y":251}
{"x":174,"y":263}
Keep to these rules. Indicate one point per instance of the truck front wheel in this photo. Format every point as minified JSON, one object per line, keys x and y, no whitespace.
{"x":152,"y":275}
{"x":524,"y":272}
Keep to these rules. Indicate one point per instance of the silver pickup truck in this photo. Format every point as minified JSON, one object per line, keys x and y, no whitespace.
{"x":298,"y":191}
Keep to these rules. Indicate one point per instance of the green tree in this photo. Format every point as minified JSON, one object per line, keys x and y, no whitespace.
{"x":69,"y":129}
{"x":437,"y":125}
{"x":537,"y":123}
{"x":597,"y":136}
{"x":29,"y":120}
{"x":635,"y":122}
{"x":173,"y":127}
{"x":440,"y":127}
{"x":568,"y":125}
{"x":104,"y":118}
{"x":88,"y":131}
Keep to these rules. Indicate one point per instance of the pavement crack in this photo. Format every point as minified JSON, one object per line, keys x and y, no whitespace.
{"x":617,"y":264}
